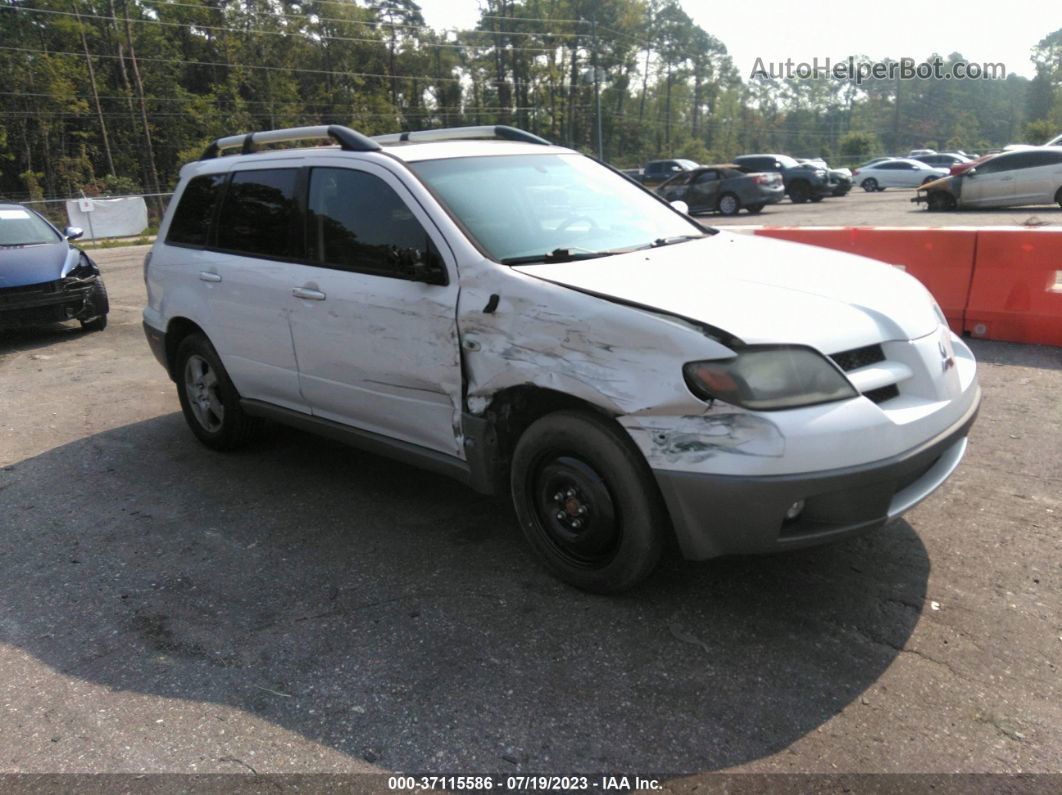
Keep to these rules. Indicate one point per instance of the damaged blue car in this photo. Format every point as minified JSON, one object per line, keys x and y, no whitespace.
{"x":44,"y":279}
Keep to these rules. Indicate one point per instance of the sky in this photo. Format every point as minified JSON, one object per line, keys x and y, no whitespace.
{"x":779,"y":29}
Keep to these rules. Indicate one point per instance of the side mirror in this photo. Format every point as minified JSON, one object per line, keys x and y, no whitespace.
{"x":681,"y":207}
{"x":73,"y":232}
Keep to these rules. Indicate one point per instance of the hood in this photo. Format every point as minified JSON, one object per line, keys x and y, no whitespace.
{"x":22,"y":265}
{"x":762,"y":290}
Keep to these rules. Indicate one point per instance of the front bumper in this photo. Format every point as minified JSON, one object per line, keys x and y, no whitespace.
{"x":48,"y":302}
{"x":728,"y":515}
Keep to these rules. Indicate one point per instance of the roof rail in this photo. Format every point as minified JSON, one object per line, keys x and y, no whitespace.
{"x":462,"y":133}
{"x":348,"y":139}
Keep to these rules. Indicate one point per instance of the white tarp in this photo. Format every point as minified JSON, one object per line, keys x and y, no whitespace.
{"x":108,"y":217}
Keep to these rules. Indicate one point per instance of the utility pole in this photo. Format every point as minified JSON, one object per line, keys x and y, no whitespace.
{"x":597,"y":91}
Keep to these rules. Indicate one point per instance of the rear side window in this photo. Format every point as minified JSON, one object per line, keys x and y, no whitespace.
{"x":191,"y":220}
{"x":358,"y":223}
{"x":257,"y":213}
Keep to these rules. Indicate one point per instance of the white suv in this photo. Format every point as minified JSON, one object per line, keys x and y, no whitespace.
{"x":522,"y":318}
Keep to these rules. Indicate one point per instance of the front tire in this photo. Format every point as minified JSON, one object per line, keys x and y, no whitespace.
{"x":870,"y":185}
{"x":799,"y":192}
{"x":209,"y":401}
{"x":587,"y":502}
{"x":99,"y":305}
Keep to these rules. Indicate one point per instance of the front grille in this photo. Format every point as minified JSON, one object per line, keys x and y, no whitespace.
{"x":881,"y":394}
{"x":859,"y":357}
{"x":26,"y":290}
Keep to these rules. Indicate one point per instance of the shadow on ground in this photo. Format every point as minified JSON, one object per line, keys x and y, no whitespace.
{"x":396,"y":616}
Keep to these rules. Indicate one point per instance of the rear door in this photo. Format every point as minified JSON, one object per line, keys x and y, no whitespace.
{"x":246,"y":276}
{"x":376,"y":349}
{"x":1037,"y":177}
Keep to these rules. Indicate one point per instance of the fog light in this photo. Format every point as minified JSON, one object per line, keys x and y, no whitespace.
{"x":794,"y":510}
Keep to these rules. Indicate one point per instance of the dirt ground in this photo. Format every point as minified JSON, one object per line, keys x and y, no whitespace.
{"x":302,"y":607}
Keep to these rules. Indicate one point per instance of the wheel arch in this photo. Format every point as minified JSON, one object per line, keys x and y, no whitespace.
{"x":177,"y":330}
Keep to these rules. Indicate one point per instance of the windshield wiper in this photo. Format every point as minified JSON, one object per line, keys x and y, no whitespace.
{"x":557,"y":255}
{"x":668,"y":241}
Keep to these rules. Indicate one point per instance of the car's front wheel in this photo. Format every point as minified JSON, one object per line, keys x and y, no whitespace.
{"x":869,"y":185}
{"x":98,"y":305}
{"x":799,"y":192}
{"x":938,"y":200}
{"x":587,"y":502}
{"x":209,"y":401}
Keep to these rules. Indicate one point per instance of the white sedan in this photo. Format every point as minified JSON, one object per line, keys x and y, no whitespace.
{"x":899,"y":172}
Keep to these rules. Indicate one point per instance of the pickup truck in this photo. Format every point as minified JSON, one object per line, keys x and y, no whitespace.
{"x":656,"y":172}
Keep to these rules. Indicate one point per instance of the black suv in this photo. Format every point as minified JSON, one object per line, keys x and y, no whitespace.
{"x":803,"y":182}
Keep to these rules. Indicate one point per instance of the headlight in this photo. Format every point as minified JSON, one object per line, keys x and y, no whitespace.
{"x":767,"y":378}
{"x":84,"y":268}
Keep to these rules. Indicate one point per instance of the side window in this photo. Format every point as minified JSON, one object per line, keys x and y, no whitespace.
{"x":707,"y":177}
{"x":257,"y":213}
{"x":357,"y":222}
{"x":679,"y":180}
{"x":191,"y":220}
{"x":996,"y":164}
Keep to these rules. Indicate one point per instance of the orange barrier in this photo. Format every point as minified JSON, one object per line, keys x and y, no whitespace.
{"x":942,"y":259}
{"x":1016,"y":293}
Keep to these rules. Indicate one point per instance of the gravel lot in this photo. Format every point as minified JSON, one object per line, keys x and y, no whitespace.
{"x":891,"y":207}
{"x":303,"y":607}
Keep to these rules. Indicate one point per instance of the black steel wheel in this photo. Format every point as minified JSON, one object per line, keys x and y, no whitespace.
{"x":587,"y":502}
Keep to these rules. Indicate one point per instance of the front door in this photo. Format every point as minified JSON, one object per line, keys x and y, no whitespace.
{"x":376,"y":349}
{"x":704,"y":192}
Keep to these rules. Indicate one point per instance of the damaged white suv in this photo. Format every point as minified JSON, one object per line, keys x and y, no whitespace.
{"x":520,"y":317}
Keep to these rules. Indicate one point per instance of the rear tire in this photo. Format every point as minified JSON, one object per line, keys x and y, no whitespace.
{"x":209,"y":401}
{"x":729,"y":204}
{"x":587,"y":502}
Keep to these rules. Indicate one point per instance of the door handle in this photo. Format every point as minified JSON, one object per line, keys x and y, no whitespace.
{"x":308,"y":294}
{"x":209,"y":276}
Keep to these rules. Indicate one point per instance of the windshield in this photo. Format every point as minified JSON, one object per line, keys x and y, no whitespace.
{"x":20,"y":227}
{"x":531,"y":206}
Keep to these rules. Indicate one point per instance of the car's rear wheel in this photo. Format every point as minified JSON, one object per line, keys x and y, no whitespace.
{"x":799,"y":192}
{"x":755,"y":208}
{"x":587,"y":502}
{"x":869,"y":185}
{"x":729,"y":204}
{"x":209,"y":401}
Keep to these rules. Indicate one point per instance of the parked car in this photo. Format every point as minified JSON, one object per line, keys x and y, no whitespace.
{"x":724,"y":189}
{"x":840,"y":178}
{"x":942,"y":159}
{"x":526,"y":320}
{"x":1056,"y":141}
{"x":802,"y":182}
{"x":1024,"y":176}
{"x":896,"y":173}
{"x":659,"y":171}
{"x":919,"y":152}
{"x":44,"y":279}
